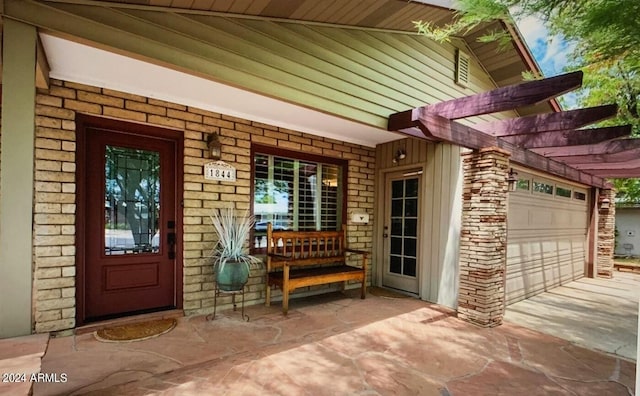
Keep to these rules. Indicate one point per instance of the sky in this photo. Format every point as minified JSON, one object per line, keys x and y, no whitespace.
{"x":550,"y":52}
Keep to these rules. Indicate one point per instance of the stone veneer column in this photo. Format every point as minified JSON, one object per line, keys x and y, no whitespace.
{"x":606,"y":234}
{"x":483,"y":242}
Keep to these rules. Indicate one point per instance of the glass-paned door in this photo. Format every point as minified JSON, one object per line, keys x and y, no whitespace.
{"x":401,"y":232}
{"x":130,"y":232}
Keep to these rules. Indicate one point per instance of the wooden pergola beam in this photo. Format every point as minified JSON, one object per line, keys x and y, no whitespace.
{"x":441,"y":128}
{"x":500,"y":99}
{"x":561,"y":121}
{"x":592,"y":158}
{"x":606,"y":147}
{"x":616,"y":173}
{"x":568,"y":138}
{"x":608,"y":165}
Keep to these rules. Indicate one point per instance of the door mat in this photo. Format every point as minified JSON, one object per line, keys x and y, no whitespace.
{"x":382,"y":292}
{"x":135,"y":331}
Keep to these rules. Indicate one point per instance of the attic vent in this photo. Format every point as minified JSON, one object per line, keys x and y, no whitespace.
{"x":462,"y":68}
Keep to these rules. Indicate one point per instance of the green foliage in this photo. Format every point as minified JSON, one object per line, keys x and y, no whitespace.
{"x":483,"y":11}
{"x":627,"y":190}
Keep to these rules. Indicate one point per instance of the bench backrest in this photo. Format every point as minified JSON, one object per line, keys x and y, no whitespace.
{"x":305,"y":247}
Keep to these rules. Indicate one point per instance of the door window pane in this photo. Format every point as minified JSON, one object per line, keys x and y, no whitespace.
{"x":409,"y":267}
{"x":411,"y":207}
{"x":396,"y":227}
{"x":397,"y":189}
{"x":410,"y":227}
{"x":410,"y":247}
{"x":411,"y":188}
{"x":395,"y":265}
{"x":132,"y":201}
{"x":397,"y":207}
{"x":396,"y":245}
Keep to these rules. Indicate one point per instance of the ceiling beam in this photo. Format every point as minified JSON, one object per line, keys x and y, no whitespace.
{"x":568,"y":138}
{"x":561,"y":121}
{"x":439,"y":127}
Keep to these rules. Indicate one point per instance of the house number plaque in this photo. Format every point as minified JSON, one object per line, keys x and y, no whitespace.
{"x":219,"y":170}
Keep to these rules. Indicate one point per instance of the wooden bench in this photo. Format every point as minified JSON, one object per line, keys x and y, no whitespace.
{"x":298,"y":259}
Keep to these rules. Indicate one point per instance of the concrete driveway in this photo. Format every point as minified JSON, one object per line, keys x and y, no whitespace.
{"x":599,"y":314}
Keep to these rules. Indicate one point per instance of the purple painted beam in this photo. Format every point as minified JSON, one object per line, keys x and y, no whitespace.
{"x":623,"y":156}
{"x":465,"y":136}
{"x":569,"y":138}
{"x":609,"y":166}
{"x":507,"y":98}
{"x":561,"y":121}
{"x":500,"y":99}
{"x":608,"y":147}
{"x":616,"y":173}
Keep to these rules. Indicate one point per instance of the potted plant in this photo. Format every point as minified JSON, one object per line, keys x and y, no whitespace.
{"x":231,"y":256}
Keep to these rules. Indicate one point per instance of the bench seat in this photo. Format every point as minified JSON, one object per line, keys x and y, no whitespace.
{"x":294,"y":259}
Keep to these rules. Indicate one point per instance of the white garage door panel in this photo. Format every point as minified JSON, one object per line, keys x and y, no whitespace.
{"x":536,"y":266}
{"x":546,"y":244}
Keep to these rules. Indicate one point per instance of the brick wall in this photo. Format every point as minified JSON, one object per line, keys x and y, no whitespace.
{"x":54,"y":212}
{"x":606,"y":234}
{"x":483,"y":241}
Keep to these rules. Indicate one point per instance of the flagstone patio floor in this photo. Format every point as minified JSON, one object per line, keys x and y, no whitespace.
{"x":334,"y":344}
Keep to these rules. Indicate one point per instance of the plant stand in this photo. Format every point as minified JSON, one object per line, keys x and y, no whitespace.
{"x":233,"y":301}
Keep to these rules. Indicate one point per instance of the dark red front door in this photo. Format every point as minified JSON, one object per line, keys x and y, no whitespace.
{"x":130,"y":223}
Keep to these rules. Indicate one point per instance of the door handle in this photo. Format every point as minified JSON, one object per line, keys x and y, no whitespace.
{"x":171,"y":242}
{"x":385,"y":235}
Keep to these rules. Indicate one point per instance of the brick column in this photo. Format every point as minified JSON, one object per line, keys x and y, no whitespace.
{"x":483,"y":242}
{"x":606,"y":234}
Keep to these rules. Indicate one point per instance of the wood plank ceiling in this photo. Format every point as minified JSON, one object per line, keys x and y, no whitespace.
{"x":548,"y":142}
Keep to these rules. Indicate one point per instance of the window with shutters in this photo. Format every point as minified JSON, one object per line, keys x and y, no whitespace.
{"x":296,"y":191}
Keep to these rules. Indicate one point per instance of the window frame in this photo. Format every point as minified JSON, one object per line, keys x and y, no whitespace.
{"x":301,"y":156}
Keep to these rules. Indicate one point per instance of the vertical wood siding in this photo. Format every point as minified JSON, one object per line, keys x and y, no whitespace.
{"x":440,"y":208}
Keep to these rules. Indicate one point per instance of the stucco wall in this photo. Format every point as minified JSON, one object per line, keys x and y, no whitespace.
{"x":55,"y":188}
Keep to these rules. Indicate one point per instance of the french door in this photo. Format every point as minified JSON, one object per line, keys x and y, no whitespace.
{"x":401,"y":232}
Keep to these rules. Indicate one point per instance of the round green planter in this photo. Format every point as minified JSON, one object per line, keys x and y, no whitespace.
{"x":232,"y":276}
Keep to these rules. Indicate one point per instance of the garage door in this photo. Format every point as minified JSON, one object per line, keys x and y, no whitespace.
{"x":547,"y":236}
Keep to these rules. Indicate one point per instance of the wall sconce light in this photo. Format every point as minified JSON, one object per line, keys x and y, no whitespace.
{"x":214,"y":146}
{"x":400,"y":155}
{"x":605,"y":203}
{"x":512,"y":180}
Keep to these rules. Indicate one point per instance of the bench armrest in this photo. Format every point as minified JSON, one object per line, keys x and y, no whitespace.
{"x":362,"y":252}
